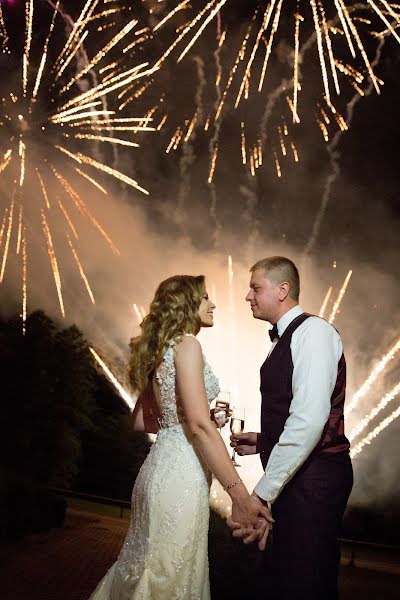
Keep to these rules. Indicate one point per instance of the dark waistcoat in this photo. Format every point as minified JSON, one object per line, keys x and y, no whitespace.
{"x":276,"y":393}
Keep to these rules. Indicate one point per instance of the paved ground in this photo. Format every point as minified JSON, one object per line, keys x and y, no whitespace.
{"x":67,"y":563}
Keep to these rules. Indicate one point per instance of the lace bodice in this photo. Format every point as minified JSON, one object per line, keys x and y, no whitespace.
{"x":171,"y":412}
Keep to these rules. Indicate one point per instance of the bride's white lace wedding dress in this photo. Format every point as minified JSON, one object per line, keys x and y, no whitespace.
{"x":164,"y":555}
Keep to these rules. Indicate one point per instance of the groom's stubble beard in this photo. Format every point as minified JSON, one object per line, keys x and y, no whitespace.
{"x":257,"y":313}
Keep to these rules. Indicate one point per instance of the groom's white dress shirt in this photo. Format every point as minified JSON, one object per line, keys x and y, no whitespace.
{"x":316,"y":350}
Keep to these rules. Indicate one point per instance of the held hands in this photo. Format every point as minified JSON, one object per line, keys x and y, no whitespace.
{"x":260,"y":518}
{"x":246,"y":443}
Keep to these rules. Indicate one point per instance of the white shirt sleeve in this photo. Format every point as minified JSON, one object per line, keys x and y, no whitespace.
{"x":316,"y":350}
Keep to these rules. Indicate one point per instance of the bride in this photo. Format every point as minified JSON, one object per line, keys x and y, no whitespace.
{"x":164,"y":555}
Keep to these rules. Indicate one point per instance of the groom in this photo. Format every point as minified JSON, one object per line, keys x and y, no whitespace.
{"x":304,"y":452}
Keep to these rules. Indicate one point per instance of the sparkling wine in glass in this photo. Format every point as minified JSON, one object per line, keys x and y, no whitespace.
{"x":237,"y":426}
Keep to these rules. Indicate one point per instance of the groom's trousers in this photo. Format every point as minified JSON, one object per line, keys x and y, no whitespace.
{"x":308,"y":516}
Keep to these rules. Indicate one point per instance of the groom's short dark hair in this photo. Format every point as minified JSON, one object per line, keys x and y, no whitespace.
{"x":281,"y":269}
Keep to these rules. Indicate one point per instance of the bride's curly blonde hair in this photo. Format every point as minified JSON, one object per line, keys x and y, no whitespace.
{"x":174,"y":311}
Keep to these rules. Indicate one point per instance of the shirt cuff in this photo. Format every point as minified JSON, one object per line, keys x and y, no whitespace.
{"x":263,"y":490}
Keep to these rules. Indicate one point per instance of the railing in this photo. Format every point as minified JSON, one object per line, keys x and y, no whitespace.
{"x":121,"y":504}
{"x":350,"y":545}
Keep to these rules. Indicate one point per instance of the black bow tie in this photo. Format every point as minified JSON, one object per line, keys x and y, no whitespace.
{"x":273,"y":333}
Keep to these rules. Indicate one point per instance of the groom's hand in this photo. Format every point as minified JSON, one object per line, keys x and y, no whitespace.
{"x":246,"y":443}
{"x":260,"y":532}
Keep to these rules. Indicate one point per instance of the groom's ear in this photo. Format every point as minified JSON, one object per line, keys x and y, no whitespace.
{"x":283,"y":290}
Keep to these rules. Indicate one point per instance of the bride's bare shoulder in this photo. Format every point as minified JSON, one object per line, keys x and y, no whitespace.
{"x":188,"y":346}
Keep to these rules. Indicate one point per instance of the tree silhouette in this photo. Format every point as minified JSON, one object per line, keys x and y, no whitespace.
{"x":63,"y":425}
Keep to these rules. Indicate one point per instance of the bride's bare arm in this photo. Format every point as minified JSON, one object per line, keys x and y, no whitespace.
{"x":142,"y":417}
{"x":190,"y":381}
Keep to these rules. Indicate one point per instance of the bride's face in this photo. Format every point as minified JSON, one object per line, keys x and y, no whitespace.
{"x":206,"y":311}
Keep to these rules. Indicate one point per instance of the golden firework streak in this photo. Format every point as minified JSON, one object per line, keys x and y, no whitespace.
{"x":19,"y":235}
{"x":6,"y":159}
{"x":362,"y":424}
{"x":81,"y":271}
{"x":7,"y":242}
{"x":372,"y":377}
{"x":123,"y":393}
{"x":180,"y":6}
{"x":325,"y":302}
{"x":269,"y":45}
{"x":372,"y":435}
{"x":106,"y":169}
{"x":298,"y":19}
{"x":202,"y":27}
{"x":44,"y":55}
{"x":28,"y":41}
{"x":265,"y":22}
{"x":213,"y":162}
{"x":340,"y":297}
{"x":67,"y":218}
{"x":53,"y":261}
{"x":24,"y":278}
{"x":320,"y":47}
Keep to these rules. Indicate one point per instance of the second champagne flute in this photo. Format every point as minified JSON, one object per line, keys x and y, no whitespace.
{"x":237,"y":426}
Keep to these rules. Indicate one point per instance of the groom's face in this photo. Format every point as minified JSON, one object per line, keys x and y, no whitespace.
{"x":263,"y":296}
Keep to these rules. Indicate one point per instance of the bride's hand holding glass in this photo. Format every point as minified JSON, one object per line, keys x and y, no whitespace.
{"x":221,"y":412}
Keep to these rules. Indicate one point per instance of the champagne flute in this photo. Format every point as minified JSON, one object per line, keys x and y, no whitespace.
{"x":237,"y":426}
{"x":222,"y":406}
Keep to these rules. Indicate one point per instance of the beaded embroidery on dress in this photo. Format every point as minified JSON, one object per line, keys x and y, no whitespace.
{"x":164,"y":555}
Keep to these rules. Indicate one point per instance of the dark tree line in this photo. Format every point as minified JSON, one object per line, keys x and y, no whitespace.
{"x":62,"y":425}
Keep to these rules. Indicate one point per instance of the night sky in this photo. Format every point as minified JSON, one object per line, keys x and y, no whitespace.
{"x":186,"y":224}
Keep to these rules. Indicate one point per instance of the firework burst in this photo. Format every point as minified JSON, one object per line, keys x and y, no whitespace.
{"x":56,"y":126}
{"x":261,"y":38}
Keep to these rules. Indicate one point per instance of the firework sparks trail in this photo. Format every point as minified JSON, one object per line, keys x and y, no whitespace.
{"x":246,"y":77}
{"x":121,"y":390}
{"x":373,"y":434}
{"x":340,"y":297}
{"x":263,"y":22}
{"x":19,"y":234}
{"x":7,"y":242}
{"x":285,"y":84}
{"x":51,"y":107}
{"x":188,"y":156}
{"x":53,"y":261}
{"x":274,"y":29}
{"x":214,"y":9}
{"x":24,"y":285}
{"x":81,"y":271}
{"x":298,"y":19}
{"x":334,"y":156}
{"x":325,"y":303}
{"x":3,"y":224}
{"x":362,"y":424}
{"x":270,"y":24}
{"x":213,"y":149}
{"x":376,"y":371}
